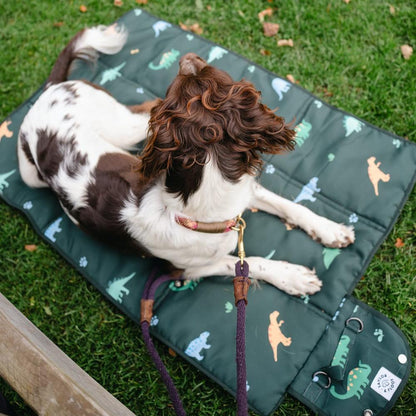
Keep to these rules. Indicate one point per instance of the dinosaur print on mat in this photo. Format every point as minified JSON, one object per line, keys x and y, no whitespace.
{"x":352,"y":125}
{"x":308,"y":190}
{"x":111,"y":74}
{"x":166,"y":61}
{"x":329,"y":255}
{"x":357,"y":382}
{"x":4,"y":130}
{"x":3,"y":180}
{"x":215,"y":53}
{"x":54,"y":229}
{"x":275,"y":334}
{"x":341,"y":353}
{"x":281,"y":87}
{"x":302,"y":132}
{"x":196,"y":346}
{"x":160,"y":26}
{"x":181,"y":285}
{"x":376,"y":174}
{"x":117,"y":288}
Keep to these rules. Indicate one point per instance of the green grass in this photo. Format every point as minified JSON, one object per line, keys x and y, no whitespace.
{"x":347,"y":54}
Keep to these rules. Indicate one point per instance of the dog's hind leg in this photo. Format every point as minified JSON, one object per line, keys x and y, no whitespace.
{"x":120,"y":125}
{"x":27,"y":167}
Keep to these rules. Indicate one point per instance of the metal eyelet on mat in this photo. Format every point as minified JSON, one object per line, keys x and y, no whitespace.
{"x":360,"y":322}
{"x":322,"y":373}
{"x":368,"y":412}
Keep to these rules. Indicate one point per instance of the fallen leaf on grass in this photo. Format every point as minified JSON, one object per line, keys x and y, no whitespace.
{"x":141,"y":1}
{"x":31,"y":247}
{"x":264,"y":13}
{"x":347,"y":1}
{"x":47,"y":310}
{"x":392,"y":9}
{"x":192,"y":28}
{"x":58,"y":24}
{"x":265,"y":52}
{"x":270,"y":29}
{"x":291,"y":78}
{"x":118,"y":3}
{"x":399,"y":243}
{"x":83,"y":8}
{"x":406,"y":51}
{"x":285,"y":42}
{"x":172,"y":353}
{"x":328,"y":93}
{"x":267,"y":12}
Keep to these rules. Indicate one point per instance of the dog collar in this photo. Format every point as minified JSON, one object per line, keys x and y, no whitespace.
{"x":207,"y":227}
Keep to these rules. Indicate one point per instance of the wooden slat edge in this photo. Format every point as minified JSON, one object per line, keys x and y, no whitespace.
{"x":46,"y":378}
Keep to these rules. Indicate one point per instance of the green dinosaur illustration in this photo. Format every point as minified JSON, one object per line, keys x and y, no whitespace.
{"x":357,"y":382}
{"x":117,"y":287}
{"x":341,"y":353}
{"x":3,"y":181}
{"x":168,"y":58}
{"x":302,"y":132}
{"x":111,"y":74}
{"x":180,"y":285}
{"x":329,"y":255}
{"x":270,"y":255}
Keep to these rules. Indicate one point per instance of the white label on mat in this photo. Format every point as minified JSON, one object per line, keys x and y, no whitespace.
{"x":385,"y":383}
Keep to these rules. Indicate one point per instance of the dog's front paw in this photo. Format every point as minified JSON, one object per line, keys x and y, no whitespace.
{"x":302,"y":281}
{"x":332,"y":234}
{"x":296,"y":280}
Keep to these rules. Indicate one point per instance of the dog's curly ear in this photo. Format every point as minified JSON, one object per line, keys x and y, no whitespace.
{"x":157,"y":155}
{"x":257,"y":123}
{"x":252,"y":129}
{"x":277,"y":136}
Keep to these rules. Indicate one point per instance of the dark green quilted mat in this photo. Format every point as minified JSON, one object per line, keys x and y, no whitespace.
{"x":342,"y":168}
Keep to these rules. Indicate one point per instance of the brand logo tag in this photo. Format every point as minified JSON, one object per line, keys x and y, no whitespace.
{"x":385,"y":383}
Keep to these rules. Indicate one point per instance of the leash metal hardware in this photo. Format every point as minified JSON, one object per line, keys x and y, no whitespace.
{"x":240,"y":227}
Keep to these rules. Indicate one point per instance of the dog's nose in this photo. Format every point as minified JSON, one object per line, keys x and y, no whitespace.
{"x":191,"y":64}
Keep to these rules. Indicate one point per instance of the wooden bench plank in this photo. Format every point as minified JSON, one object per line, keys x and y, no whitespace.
{"x":46,"y":378}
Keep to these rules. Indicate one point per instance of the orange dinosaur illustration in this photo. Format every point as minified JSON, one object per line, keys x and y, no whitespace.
{"x":375,"y":174}
{"x":4,"y":130}
{"x":275,"y":334}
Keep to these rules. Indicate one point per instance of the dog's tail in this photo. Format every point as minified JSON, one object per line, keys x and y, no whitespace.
{"x":85,"y":45}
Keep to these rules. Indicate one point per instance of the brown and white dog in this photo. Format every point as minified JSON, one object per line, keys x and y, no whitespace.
{"x":200,"y":162}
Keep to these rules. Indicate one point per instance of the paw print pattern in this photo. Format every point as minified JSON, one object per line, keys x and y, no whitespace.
{"x":83,"y":262}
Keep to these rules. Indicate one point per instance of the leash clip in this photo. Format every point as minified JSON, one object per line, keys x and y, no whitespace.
{"x":240,"y":227}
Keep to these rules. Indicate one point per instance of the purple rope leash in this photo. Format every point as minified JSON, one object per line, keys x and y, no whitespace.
{"x":146,"y":315}
{"x":241,"y":285}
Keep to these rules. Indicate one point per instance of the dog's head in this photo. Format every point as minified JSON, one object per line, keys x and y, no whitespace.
{"x":206,"y":116}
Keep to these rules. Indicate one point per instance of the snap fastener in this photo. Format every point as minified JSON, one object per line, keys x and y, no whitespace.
{"x":402,"y":359}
